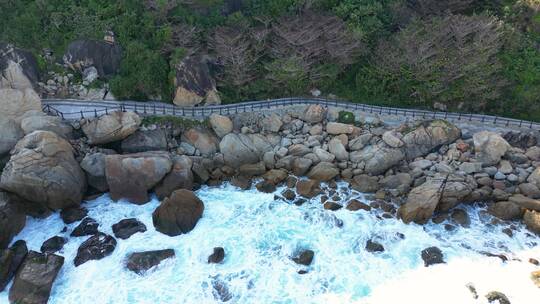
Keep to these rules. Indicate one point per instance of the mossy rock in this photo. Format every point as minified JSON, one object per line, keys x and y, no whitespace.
{"x":346,"y":117}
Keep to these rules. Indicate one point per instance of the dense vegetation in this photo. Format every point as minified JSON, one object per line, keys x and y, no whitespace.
{"x":468,"y":55}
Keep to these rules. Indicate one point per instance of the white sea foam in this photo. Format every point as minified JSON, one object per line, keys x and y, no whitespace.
{"x":260,"y":235}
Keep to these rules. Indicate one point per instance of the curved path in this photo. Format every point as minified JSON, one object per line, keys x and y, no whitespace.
{"x":77,"y":109}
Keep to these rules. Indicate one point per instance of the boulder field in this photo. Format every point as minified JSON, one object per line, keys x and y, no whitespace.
{"x":419,"y":172}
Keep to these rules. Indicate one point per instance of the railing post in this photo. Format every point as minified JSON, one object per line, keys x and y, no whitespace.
{"x":95,"y":113}
{"x":154,"y":109}
{"x":144,"y":108}
{"x":495,"y":120}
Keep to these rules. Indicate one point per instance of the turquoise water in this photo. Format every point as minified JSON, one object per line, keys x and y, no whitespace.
{"x":260,"y":235}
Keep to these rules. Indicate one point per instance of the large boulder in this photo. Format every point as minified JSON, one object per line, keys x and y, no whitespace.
{"x":194,"y":83}
{"x":34,"y":280}
{"x":10,"y":261}
{"x":102,"y":55}
{"x":441,"y":192}
{"x":130,"y":176}
{"x":38,"y":121}
{"x":94,"y":166}
{"x":336,"y":128}
{"x":238,"y":149}
{"x":18,"y":68}
{"x":153,"y":140}
{"x":180,"y":177}
{"x":531,"y":219}
{"x":428,"y":136}
{"x":489,"y":147}
{"x":378,"y":158}
{"x":10,"y":134}
{"x":323,"y":171}
{"x":15,"y":103}
{"x":337,"y":148}
{"x":505,"y":210}
{"x":222,"y":125}
{"x":43,"y":170}
{"x":140,"y":262}
{"x":111,"y":127}
{"x":314,"y":114}
{"x":271,"y":123}
{"x":178,"y":213}
{"x":12,"y":221}
{"x":201,"y":139}
{"x":534,"y":177}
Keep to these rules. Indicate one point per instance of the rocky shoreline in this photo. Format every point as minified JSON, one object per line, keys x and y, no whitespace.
{"x":417,"y":172}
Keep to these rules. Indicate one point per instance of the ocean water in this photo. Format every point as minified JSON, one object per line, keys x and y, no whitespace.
{"x":260,"y":235}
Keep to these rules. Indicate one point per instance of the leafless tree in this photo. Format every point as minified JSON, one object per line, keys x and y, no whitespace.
{"x":183,"y":36}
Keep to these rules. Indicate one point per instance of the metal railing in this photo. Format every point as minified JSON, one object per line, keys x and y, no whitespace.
{"x":91,"y":109}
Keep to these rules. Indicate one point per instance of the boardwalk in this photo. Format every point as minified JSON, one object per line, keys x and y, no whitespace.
{"x":77,"y":109}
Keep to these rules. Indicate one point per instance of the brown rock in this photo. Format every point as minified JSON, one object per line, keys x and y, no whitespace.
{"x":505,"y":210}
{"x":178,"y":213}
{"x":308,"y":188}
{"x":531,"y":219}
{"x":111,"y":127}
{"x":201,"y":139}
{"x":180,"y":177}
{"x":323,"y":171}
{"x":314,"y":114}
{"x":355,"y":205}
{"x":275,"y":176}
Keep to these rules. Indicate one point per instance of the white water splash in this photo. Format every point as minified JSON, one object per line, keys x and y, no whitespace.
{"x":260,"y":235}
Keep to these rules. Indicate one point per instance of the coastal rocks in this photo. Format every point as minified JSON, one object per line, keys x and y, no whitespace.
{"x":336,"y":128}
{"x":94,"y":167}
{"x":301,"y":165}
{"x":15,"y":103}
{"x":19,"y":68}
{"x":338,"y":149}
{"x":534,"y":178}
{"x":194,"y":83}
{"x":111,"y":127}
{"x":88,"y":226}
{"x":525,"y":202}
{"x":365,"y":183}
{"x":38,"y":121}
{"x":180,"y":177}
{"x":11,"y":220}
{"x":304,"y":257}
{"x":202,"y":140}
{"x":222,"y":125}
{"x":43,"y":170}
{"x":10,"y":134}
{"x":505,"y":210}
{"x":152,"y":140}
{"x":432,"y":256}
{"x":428,"y":136}
{"x":265,"y":187}
{"x":393,"y":139}
{"x":128,"y":227}
{"x":372,"y":246}
{"x":217,"y":256}
{"x":378,"y":158}
{"x":130,"y":176}
{"x":308,"y":188}
{"x":323,"y":171}
{"x":140,"y":262}
{"x":102,"y":55}
{"x":238,"y":149}
{"x":54,"y":244}
{"x":531,"y":219}
{"x":250,"y":170}
{"x":96,"y":247}
{"x":35,"y":277}
{"x":10,"y":261}
{"x":355,"y":205}
{"x":489,"y":147}
{"x":178,"y":214}
{"x":497,"y":297}
{"x":271,"y":123}
{"x":314,"y":114}
{"x":441,"y":192}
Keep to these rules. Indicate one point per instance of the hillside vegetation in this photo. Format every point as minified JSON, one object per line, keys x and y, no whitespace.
{"x":479,"y":56}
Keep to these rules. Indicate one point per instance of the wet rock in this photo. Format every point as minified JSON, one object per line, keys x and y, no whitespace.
{"x":241,"y":182}
{"x":372,"y":246}
{"x":304,"y":257}
{"x":54,"y":244}
{"x":432,"y":256}
{"x":472,"y":289}
{"x":152,"y":140}
{"x":275,"y":176}
{"x":355,"y":205}
{"x":131,"y":176}
{"x":531,"y":219}
{"x":308,"y":188}
{"x":221,"y":291}
{"x":73,"y":214}
{"x":140,"y":262}
{"x":333,"y":206}
{"x":288,"y":194}
{"x":493,"y":296}
{"x":128,"y":227}
{"x":461,"y":217}
{"x":180,"y":177}
{"x":111,"y":127}
{"x":96,"y":247}
{"x":217,"y":256}
{"x":535,"y":277}
{"x":11,"y":220}
{"x":178,"y":213}
{"x":10,"y":261}
{"x":43,"y":170}
{"x":265,"y":187}
{"x":505,"y":210}
{"x":88,"y":226}
{"x":33,"y":281}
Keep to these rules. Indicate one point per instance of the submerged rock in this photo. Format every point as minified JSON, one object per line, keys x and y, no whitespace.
{"x":128,"y":227}
{"x":432,"y":256}
{"x":305,"y":257}
{"x":372,"y":246}
{"x":95,"y":248}
{"x":217,"y":256}
{"x":33,"y":281}
{"x":10,"y":261}
{"x":140,"y":262}
{"x":73,"y":214}
{"x":178,"y":214}
{"x":221,"y":291}
{"x":54,"y":244}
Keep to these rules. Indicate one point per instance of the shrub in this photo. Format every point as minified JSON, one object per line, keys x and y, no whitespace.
{"x":346,"y":117}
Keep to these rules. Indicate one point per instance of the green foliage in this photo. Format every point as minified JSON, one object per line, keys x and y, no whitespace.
{"x":346,"y":117}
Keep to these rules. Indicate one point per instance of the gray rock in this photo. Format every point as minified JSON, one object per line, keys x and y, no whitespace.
{"x":238,"y":149}
{"x":377,"y":158}
{"x":94,"y":166}
{"x":471,"y":168}
{"x":300,"y":166}
{"x":365,"y":183}
{"x":10,"y":134}
{"x":154,"y":140}
{"x":222,"y":125}
{"x":422,"y":164}
{"x":271,"y":123}
{"x":489,"y":147}
{"x":111,"y":127}
{"x":180,"y":177}
{"x":323,"y":171}
{"x":427,"y":136}
{"x":338,"y":149}
{"x":358,"y":143}
{"x":12,"y":221}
